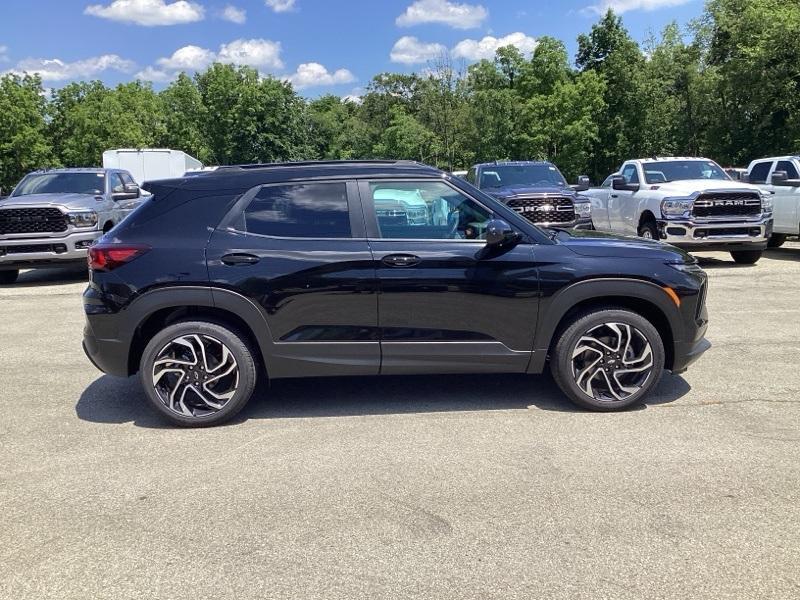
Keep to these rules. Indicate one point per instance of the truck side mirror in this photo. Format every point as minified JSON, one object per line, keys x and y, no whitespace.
{"x":618,"y":182}
{"x":582,"y":184}
{"x":781,"y":179}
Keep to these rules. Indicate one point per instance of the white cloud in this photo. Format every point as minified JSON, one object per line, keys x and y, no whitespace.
{"x":155,"y":75}
{"x":188,"y":58}
{"x":409,"y":50}
{"x":486,"y":47}
{"x":149,"y":13}
{"x":254,"y":53}
{"x":623,"y":6}
{"x":459,"y":16}
{"x":3,"y":53}
{"x":234,"y":15}
{"x":54,"y":69}
{"x":314,"y":74}
{"x":280,"y":5}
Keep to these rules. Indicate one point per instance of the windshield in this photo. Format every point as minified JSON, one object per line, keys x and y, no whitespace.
{"x":545,"y":175}
{"x":681,"y":170}
{"x":62,"y":183}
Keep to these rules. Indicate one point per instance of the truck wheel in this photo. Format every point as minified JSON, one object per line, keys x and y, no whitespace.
{"x":648,"y":230}
{"x":198,"y":373}
{"x":746,"y":257}
{"x":9,"y":277}
{"x":776,"y":241}
{"x":608,"y":359}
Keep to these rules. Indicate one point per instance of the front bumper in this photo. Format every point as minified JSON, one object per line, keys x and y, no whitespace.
{"x":728,"y":235}
{"x":579,"y":223}
{"x":32,"y":252}
{"x":687,"y":354}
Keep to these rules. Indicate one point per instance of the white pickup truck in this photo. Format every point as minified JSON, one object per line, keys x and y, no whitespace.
{"x":780,"y":177}
{"x":689,"y":202}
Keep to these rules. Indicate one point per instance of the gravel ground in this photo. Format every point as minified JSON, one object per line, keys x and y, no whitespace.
{"x":416,"y":487}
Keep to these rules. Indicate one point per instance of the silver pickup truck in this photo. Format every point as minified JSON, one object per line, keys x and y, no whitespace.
{"x":53,"y":216}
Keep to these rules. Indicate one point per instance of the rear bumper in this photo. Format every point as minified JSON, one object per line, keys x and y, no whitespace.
{"x":108,"y":355}
{"x":27,"y":253}
{"x":715,"y":235}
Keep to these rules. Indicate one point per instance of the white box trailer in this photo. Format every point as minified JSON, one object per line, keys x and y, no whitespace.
{"x":148,"y":164}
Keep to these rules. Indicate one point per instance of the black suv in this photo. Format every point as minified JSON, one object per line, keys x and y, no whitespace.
{"x":319,"y":269}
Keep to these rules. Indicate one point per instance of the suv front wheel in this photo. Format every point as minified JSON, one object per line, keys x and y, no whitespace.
{"x":608,"y":359}
{"x":198,"y":373}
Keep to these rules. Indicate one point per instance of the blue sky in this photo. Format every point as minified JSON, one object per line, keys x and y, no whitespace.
{"x":321,"y":45}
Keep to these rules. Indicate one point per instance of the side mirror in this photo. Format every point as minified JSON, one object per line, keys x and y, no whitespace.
{"x":130,"y":192}
{"x":744,"y":178}
{"x":618,"y":182}
{"x":583,"y":184}
{"x":781,"y":179}
{"x":499,"y":233}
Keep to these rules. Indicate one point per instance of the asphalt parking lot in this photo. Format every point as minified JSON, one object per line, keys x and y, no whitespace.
{"x":424,"y":487}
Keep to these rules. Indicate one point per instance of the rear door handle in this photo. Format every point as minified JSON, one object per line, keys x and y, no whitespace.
{"x":239,"y":259}
{"x":401,"y":260}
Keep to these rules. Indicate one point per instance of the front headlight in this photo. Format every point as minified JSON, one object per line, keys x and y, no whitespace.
{"x":676,"y":207}
{"x":83,"y":218}
{"x":766,"y":203}
{"x":583,"y":209}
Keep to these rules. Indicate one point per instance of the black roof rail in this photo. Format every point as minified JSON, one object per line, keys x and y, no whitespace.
{"x":316,"y":163}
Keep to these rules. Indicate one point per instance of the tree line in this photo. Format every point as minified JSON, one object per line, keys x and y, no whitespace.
{"x":725,"y":88}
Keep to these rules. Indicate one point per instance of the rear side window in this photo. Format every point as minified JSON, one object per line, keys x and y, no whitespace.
{"x":308,"y":210}
{"x":791,"y":170}
{"x":759,"y":173}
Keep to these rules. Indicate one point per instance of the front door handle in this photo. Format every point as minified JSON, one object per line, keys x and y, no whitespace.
{"x":239,"y":259}
{"x":401,"y":260}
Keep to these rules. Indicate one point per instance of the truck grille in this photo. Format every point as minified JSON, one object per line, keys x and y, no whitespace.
{"x":32,"y":220}
{"x":544,"y":210}
{"x":727,"y":204}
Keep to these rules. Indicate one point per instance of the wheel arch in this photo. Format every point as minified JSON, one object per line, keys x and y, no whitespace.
{"x":643,"y":297}
{"x":154,"y":310}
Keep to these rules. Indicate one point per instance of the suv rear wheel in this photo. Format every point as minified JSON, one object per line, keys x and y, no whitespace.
{"x":746,"y":257}
{"x":608,"y":359}
{"x":198,"y":373}
{"x":8,"y":277}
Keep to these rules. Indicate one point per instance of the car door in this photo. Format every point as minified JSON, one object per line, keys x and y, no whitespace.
{"x":446,"y":303}
{"x":622,"y":204}
{"x":785,"y":200}
{"x":599,"y":198}
{"x":298,"y":252}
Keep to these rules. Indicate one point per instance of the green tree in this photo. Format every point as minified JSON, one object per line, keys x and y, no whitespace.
{"x":24,"y":144}
{"x":184,"y":113}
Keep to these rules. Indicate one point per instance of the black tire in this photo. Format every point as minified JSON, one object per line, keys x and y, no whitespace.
{"x":223,"y":334}
{"x":9,"y":277}
{"x":561,"y":358}
{"x":648,"y":230}
{"x":746,"y":257}
{"x":777,"y":240}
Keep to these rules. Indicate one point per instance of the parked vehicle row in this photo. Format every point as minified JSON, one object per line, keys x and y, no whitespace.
{"x":375,"y":268}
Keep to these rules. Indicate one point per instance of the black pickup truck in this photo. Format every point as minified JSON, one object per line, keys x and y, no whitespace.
{"x":537,"y":190}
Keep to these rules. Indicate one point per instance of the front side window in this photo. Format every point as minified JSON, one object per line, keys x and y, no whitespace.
{"x":117,"y":187}
{"x":759,"y":173}
{"x":427,"y":210}
{"x":307,"y":210}
{"x":683,"y":170}
{"x":631,"y":174}
{"x":62,"y":183}
{"x":789,"y":168}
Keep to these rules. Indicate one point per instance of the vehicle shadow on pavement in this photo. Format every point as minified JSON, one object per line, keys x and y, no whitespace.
{"x":792,"y":254}
{"x":48,"y":277}
{"x":117,"y":400}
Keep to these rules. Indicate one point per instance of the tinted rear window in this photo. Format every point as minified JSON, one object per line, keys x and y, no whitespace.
{"x":309,"y":210}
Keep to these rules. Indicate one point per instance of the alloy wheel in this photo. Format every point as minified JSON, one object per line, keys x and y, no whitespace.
{"x":195,"y":375}
{"x":612,"y":361}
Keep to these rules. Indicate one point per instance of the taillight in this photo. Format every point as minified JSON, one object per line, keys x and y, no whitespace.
{"x":107,"y":257}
